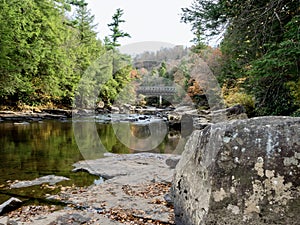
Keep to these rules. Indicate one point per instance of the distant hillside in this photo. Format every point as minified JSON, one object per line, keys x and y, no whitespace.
{"x":146,"y":46}
{"x":150,"y":60}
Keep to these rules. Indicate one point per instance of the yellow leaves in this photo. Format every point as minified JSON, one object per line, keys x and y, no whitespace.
{"x":295,"y":90}
{"x":235,"y":95}
{"x":241,"y":80}
{"x":240,"y":98}
{"x":248,"y":67}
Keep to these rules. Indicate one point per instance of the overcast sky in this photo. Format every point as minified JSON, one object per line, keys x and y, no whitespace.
{"x":152,"y":21}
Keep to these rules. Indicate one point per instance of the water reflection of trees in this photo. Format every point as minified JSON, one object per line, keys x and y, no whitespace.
{"x":37,"y":149}
{"x":50,"y":147}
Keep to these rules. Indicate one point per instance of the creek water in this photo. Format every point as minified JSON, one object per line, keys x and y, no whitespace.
{"x":35,"y":149}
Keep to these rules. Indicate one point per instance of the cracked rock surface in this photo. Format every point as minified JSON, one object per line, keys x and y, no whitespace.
{"x":132,"y":193}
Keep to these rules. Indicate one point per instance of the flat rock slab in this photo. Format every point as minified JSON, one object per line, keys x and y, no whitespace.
{"x":133,"y":194}
{"x":62,"y":217}
{"x":130,"y":169}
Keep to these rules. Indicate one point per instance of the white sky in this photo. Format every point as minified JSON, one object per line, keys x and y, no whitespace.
{"x":154,"y":20}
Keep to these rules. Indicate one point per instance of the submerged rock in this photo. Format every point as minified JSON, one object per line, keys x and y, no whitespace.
{"x":51,"y":179}
{"x":240,"y":172}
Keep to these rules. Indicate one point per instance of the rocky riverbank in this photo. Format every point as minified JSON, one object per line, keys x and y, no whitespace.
{"x":27,"y":116}
{"x":132,"y":189}
{"x":179,"y":118}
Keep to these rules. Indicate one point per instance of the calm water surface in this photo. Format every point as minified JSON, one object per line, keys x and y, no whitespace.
{"x":37,"y":149}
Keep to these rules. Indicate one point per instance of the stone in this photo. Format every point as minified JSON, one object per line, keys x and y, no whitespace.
{"x":101,"y":105}
{"x":185,"y":117}
{"x":12,"y":222}
{"x":136,"y":193}
{"x":130,"y":168}
{"x":67,"y":113}
{"x":114,"y":109}
{"x":235,"y":112}
{"x":51,"y":179}
{"x":7,"y":112}
{"x":240,"y":172}
{"x":3,"y":220}
{"x":21,"y":123}
{"x":10,"y":205}
{"x":135,"y":185}
{"x":30,"y":116}
{"x":74,"y":218}
{"x":172,"y":161}
{"x":168,"y":198}
{"x":129,"y":107}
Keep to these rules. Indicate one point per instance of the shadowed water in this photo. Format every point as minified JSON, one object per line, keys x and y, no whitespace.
{"x":37,"y":149}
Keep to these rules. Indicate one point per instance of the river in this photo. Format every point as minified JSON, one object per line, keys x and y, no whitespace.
{"x":35,"y":149}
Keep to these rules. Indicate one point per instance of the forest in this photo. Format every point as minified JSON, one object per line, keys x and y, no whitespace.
{"x":46,"y":46}
{"x":259,"y":59}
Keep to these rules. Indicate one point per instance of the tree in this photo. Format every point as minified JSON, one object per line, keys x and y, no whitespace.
{"x":43,"y":52}
{"x":121,"y":64}
{"x":89,"y":48}
{"x":276,"y":74}
{"x":162,"y":70}
{"x":255,"y":36}
{"x":84,"y":23}
{"x":119,"y":77}
{"x":55,"y":83}
{"x":112,"y":40}
{"x":29,"y":45}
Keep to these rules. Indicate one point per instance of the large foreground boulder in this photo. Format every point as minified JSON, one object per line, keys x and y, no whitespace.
{"x":240,"y":172}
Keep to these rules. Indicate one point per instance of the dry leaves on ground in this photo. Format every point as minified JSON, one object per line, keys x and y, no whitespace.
{"x":148,"y":190}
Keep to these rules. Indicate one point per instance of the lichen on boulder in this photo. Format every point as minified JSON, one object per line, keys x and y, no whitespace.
{"x":240,"y":172}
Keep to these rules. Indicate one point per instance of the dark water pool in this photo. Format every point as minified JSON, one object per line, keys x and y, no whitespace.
{"x":36,"y":149}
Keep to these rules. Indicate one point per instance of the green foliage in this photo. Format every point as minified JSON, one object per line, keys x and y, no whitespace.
{"x":44,"y":53}
{"x":261,"y":43}
{"x":103,"y":81}
{"x":199,"y":42}
{"x":88,"y":48}
{"x":275,"y":75}
{"x":162,"y":71}
{"x":29,"y":49}
{"x":119,"y":78}
{"x":112,"y":40}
